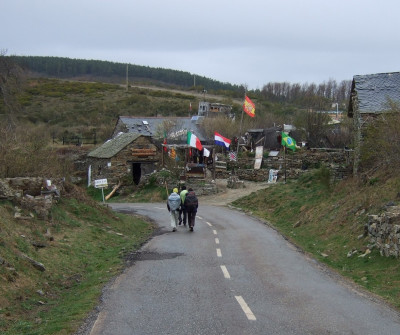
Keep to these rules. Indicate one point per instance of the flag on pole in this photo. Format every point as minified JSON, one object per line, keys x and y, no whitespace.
{"x":220,"y":140}
{"x":249,"y":107}
{"x":206,"y":152}
{"x":193,"y":141}
{"x":165,"y":142}
{"x":288,"y":142}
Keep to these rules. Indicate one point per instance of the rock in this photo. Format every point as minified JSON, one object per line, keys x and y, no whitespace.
{"x":367,"y":252}
{"x":35,"y":264}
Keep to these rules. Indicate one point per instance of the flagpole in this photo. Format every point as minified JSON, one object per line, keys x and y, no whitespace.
{"x":240,"y":129}
{"x":284,"y":157}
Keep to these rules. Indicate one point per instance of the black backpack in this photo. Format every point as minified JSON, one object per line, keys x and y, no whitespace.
{"x":191,"y":201}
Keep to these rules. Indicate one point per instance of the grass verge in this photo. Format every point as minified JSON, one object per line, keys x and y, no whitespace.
{"x":81,"y":247}
{"x":327,"y":221}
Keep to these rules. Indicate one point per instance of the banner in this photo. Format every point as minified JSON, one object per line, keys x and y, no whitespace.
{"x":249,"y":107}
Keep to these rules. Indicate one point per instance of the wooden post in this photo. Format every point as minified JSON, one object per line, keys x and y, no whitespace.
{"x":213,"y":158}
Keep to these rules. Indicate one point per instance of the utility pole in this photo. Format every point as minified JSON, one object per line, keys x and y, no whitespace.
{"x":127,"y":82}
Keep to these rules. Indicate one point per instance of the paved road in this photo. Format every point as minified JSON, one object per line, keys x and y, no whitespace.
{"x":232,"y":275}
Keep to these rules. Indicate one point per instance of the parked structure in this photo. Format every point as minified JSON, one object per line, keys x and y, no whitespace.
{"x":370,"y":96}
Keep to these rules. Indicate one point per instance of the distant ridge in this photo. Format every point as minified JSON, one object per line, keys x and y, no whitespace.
{"x":63,"y":68}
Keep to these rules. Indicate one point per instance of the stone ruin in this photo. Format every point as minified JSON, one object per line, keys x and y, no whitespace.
{"x":30,"y":194}
{"x":384,"y":231}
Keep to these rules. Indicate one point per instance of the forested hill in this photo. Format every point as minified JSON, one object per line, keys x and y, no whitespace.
{"x":60,"y":67}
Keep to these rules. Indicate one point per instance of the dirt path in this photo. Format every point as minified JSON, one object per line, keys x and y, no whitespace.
{"x":226,"y":195}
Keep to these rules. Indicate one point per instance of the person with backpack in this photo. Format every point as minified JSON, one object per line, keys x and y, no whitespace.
{"x":182,"y":211}
{"x":191,"y":204}
{"x":173,"y":204}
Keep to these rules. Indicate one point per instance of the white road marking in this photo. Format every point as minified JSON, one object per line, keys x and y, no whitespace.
{"x":199,"y":217}
{"x":215,"y":232}
{"x":225,"y":272}
{"x":219,"y":252}
{"x":160,"y":208}
{"x":245,"y":308}
{"x":217,"y":240}
{"x":209,"y":223}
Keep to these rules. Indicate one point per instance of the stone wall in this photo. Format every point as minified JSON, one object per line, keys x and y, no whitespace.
{"x":338,"y":161}
{"x":384,"y":231}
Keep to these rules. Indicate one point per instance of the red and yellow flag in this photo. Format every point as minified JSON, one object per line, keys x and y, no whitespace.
{"x":249,"y":107}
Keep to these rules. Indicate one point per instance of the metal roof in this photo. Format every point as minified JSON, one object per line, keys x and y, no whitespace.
{"x":151,"y":126}
{"x":114,"y":146}
{"x":374,"y":90}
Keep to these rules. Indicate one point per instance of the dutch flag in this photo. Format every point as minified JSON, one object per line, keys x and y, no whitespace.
{"x":220,"y":140}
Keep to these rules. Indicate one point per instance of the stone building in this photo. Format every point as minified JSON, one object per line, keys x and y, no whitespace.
{"x":126,"y":157}
{"x":212,"y":109}
{"x":370,"y":96}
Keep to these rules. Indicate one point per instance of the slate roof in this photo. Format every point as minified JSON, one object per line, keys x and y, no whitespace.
{"x":115,"y":145}
{"x":150,"y":126}
{"x":374,"y":90}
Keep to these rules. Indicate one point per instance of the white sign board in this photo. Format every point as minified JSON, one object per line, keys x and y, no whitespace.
{"x":100,"y":183}
{"x":259,"y":156}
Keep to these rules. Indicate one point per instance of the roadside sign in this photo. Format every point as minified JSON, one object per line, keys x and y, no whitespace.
{"x":101,"y":183}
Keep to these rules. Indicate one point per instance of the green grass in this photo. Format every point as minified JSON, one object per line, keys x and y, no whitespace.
{"x":88,"y":249}
{"x":326,"y":220}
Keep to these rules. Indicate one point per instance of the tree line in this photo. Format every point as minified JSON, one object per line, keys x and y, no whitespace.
{"x":61,"y":67}
{"x":307,"y":95}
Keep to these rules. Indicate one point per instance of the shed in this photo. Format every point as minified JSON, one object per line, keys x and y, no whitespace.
{"x":127,"y":156}
{"x":370,"y":96}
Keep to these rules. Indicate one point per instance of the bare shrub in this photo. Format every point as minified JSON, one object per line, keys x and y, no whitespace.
{"x":25,"y":152}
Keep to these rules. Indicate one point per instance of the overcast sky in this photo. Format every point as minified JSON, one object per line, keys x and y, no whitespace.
{"x":250,"y":42}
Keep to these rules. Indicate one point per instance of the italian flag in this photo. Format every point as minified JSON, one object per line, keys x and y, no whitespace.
{"x":193,"y":141}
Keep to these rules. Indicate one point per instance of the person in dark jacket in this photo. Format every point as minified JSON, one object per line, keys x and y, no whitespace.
{"x":182,"y":211}
{"x":191,"y":204}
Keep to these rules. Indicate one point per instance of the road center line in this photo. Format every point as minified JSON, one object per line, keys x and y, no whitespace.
{"x":216,"y":240}
{"x":215,"y":232}
{"x":219,"y":252}
{"x":209,"y":223}
{"x":225,"y":272}
{"x":245,"y":308}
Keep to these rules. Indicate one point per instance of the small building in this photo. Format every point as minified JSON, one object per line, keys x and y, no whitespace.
{"x":211,"y":109}
{"x":370,"y":96}
{"x":126,"y":157}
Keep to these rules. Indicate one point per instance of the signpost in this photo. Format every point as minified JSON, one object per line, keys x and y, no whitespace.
{"x":101,"y":183}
